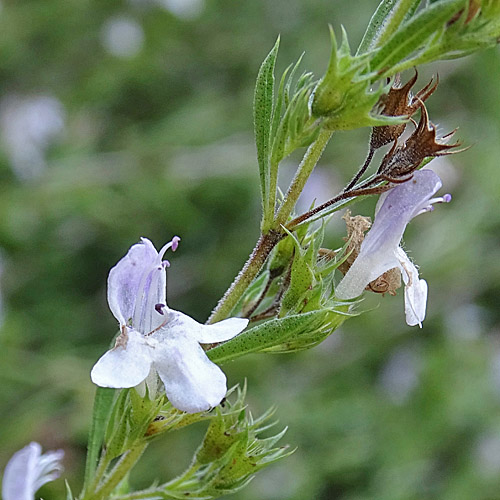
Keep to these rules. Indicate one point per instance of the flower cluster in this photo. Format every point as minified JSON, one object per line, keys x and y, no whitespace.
{"x":156,"y":341}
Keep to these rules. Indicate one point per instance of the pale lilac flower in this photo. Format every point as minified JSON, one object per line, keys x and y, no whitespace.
{"x":158,"y":341}
{"x":28,"y":470}
{"x":381,"y":251}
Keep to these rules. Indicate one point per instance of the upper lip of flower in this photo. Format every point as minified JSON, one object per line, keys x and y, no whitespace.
{"x":137,"y":284}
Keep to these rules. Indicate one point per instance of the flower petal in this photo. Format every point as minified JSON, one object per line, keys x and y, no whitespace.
{"x":18,"y":478}
{"x":223,"y":330}
{"x":152,"y":291}
{"x":180,"y":324}
{"x":125,"y":279}
{"x":364,"y":269}
{"x":28,"y":470}
{"x":415,"y":290}
{"x":124,"y":365}
{"x":192,"y":382}
{"x":416,"y":303}
{"x":397,"y":207}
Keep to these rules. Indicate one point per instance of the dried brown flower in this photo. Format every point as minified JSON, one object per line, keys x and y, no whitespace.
{"x":402,"y":160}
{"x":399,"y":102}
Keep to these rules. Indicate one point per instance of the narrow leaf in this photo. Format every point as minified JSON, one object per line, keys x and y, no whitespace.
{"x":266,"y":335}
{"x":375,"y":25}
{"x":102,"y":406}
{"x":414,"y":34}
{"x":263,"y":111}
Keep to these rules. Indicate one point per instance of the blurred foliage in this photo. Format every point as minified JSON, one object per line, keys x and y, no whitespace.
{"x":146,"y":130}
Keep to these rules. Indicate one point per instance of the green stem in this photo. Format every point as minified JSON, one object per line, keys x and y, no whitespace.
{"x":120,"y":470}
{"x":311,"y":158}
{"x":268,"y":240}
{"x":271,"y":207}
{"x":251,"y":268}
{"x":162,"y":490}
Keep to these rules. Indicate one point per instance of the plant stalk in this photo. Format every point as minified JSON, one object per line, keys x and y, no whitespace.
{"x":311,"y":158}
{"x":253,"y":265}
{"x":120,"y":470}
{"x":268,"y":240}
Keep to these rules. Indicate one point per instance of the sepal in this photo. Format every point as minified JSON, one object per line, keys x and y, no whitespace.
{"x":231,"y":453}
{"x":232,"y":450}
{"x":69,"y":493}
{"x":129,"y":421}
{"x":343,"y":98}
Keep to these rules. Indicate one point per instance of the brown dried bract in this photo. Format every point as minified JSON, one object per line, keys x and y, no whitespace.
{"x":402,"y":160}
{"x":399,"y":102}
{"x":356,"y":228}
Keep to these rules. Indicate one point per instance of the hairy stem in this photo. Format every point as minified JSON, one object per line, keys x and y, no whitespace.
{"x":342,"y":196}
{"x":361,"y":171}
{"x":123,"y":466}
{"x":268,"y":240}
{"x":311,"y":158}
{"x":251,"y":268}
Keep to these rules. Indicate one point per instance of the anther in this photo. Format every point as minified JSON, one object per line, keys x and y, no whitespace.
{"x":159,"y":308}
{"x":175,"y":243}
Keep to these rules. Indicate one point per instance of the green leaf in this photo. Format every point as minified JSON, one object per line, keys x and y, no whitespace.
{"x":375,"y":25}
{"x":102,"y":407}
{"x":326,"y":322}
{"x":263,"y":112}
{"x":117,"y":431}
{"x":414,"y":34}
{"x":268,"y":335}
{"x":252,"y":295}
{"x":302,"y":279}
{"x":389,"y":15}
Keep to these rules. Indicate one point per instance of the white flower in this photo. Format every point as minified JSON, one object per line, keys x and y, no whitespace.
{"x":28,"y":470}
{"x":380,"y":250}
{"x":155,"y":339}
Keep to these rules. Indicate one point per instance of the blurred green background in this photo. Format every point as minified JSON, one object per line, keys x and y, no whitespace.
{"x":122,"y":119}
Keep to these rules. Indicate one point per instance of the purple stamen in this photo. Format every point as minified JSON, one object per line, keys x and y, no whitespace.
{"x":165,"y":264}
{"x":446,"y":198}
{"x":426,"y":209}
{"x":159,"y":308}
{"x":175,"y":243}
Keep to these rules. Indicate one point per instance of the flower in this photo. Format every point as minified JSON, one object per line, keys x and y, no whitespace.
{"x":28,"y":470}
{"x":158,"y":341}
{"x":381,"y":251}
